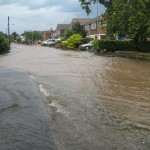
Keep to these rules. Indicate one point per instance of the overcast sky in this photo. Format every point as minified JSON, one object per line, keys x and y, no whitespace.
{"x":40,"y":15}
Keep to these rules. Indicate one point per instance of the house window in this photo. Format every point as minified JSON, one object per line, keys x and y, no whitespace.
{"x":87,"y":27}
{"x":93,"y":26}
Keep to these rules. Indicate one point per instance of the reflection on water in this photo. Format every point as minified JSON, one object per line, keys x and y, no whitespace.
{"x":97,"y":102}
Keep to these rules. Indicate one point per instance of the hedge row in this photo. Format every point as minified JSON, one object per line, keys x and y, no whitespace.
{"x":111,"y":45}
{"x":4,"y":46}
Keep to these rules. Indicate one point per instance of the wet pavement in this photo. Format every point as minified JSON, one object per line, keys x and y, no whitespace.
{"x":24,"y":120}
{"x":92,"y":102}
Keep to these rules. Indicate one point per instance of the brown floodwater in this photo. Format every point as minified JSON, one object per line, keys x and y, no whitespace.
{"x":96,"y":103}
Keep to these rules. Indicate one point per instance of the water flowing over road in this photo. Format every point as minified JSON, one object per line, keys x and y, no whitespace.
{"x":96,"y":103}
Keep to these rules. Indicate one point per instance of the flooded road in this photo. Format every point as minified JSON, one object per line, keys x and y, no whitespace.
{"x":96,"y":103}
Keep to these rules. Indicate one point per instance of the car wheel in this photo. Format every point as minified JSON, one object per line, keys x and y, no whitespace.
{"x":87,"y":48}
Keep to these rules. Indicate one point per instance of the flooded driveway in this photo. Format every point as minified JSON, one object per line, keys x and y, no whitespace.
{"x":96,"y":103}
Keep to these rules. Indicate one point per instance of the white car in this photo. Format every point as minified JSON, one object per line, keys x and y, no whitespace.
{"x":87,"y":46}
{"x":49,"y":42}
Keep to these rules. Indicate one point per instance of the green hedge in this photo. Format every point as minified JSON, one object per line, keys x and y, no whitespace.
{"x":112,"y":45}
{"x":4,"y":46}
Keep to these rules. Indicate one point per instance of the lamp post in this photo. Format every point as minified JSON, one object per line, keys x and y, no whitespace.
{"x":97,"y":22}
{"x":9,"y":32}
{"x":8,"y":35}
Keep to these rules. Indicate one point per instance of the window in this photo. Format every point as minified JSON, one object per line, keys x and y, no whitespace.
{"x":93,"y":26}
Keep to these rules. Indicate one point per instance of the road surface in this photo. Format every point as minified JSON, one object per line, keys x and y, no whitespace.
{"x":67,"y":100}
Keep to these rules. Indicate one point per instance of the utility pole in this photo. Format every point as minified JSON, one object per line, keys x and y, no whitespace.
{"x":8,"y":33}
{"x":97,"y":26}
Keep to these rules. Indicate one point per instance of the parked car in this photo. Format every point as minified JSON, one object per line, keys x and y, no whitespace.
{"x":87,"y":46}
{"x":49,"y":42}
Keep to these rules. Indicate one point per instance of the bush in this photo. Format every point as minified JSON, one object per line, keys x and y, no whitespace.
{"x":143,"y":46}
{"x":112,"y":45}
{"x":4,"y":45}
{"x":74,"y":41}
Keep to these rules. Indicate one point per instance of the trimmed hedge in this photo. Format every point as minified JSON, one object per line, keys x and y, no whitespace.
{"x":4,"y":45}
{"x":112,"y":46}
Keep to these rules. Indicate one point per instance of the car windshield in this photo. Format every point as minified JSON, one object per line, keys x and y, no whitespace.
{"x":91,"y":42}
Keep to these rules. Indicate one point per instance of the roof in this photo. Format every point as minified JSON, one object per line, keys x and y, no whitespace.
{"x":62,"y":26}
{"x":82,"y":21}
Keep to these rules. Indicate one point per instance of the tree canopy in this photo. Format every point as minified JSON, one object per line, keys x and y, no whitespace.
{"x":31,"y":36}
{"x":124,"y":17}
{"x":14,"y":34}
{"x":76,"y":28}
{"x":4,"y":46}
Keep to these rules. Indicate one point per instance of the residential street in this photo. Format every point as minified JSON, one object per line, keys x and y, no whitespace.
{"x":67,"y":100}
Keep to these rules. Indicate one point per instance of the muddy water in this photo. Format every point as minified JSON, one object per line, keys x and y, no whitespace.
{"x":97,"y":103}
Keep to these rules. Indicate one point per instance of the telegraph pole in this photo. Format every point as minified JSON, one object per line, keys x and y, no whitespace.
{"x":8,"y":33}
{"x":97,"y":26}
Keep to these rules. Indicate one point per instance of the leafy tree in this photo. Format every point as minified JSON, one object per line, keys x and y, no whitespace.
{"x":32,"y":36}
{"x":3,"y":34}
{"x":68,"y":33}
{"x":14,"y":34}
{"x":125,"y":17}
{"x":76,"y":28}
{"x":4,"y":46}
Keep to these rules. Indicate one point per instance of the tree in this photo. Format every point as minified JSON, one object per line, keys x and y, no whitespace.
{"x":32,"y":36}
{"x":14,"y":34}
{"x":4,"y":46}
{"x":125,"y":17}
{"x":3,"y":34}
{"x":86,"y":3}
{"x":76,"y":28}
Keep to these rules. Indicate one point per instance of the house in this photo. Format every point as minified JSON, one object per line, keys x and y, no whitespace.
{"x":90,"y":24}
{"x":94,"y":26}
{"x":95,"y":29}
{"x":82,"y":21}
{"x":60,"y":30}
{"x":48,"y":34}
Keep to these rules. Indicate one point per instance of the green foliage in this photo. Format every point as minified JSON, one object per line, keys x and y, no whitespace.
{"x":3,"y":34}
{"x":74,"y":41}
{"x":125,"y":17}
{"x":112,"y":45}
{"x":14,"y":34}
{"x":4,"y":46}
{"x":86,"y":3}
{"x":121,"y":22}
{"x":32,"y":36}
{"x":76,"y":28}
{"x":68,"y":33}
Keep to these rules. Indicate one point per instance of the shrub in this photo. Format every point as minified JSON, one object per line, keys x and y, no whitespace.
{"x":143,"y":46}
{"x":74,"y":41}
{"x":4,"y":45}
{"x":113,"y":46}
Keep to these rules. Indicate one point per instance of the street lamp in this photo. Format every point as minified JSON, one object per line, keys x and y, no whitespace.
{"x":9,"y":32}
{"x":97,"y":22}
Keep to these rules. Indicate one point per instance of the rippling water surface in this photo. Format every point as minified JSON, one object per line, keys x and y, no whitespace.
{"x":96,"y":102}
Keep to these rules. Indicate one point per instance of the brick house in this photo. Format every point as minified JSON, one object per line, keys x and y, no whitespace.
{"x":90,"y":25}
{"x":60,"y":30}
